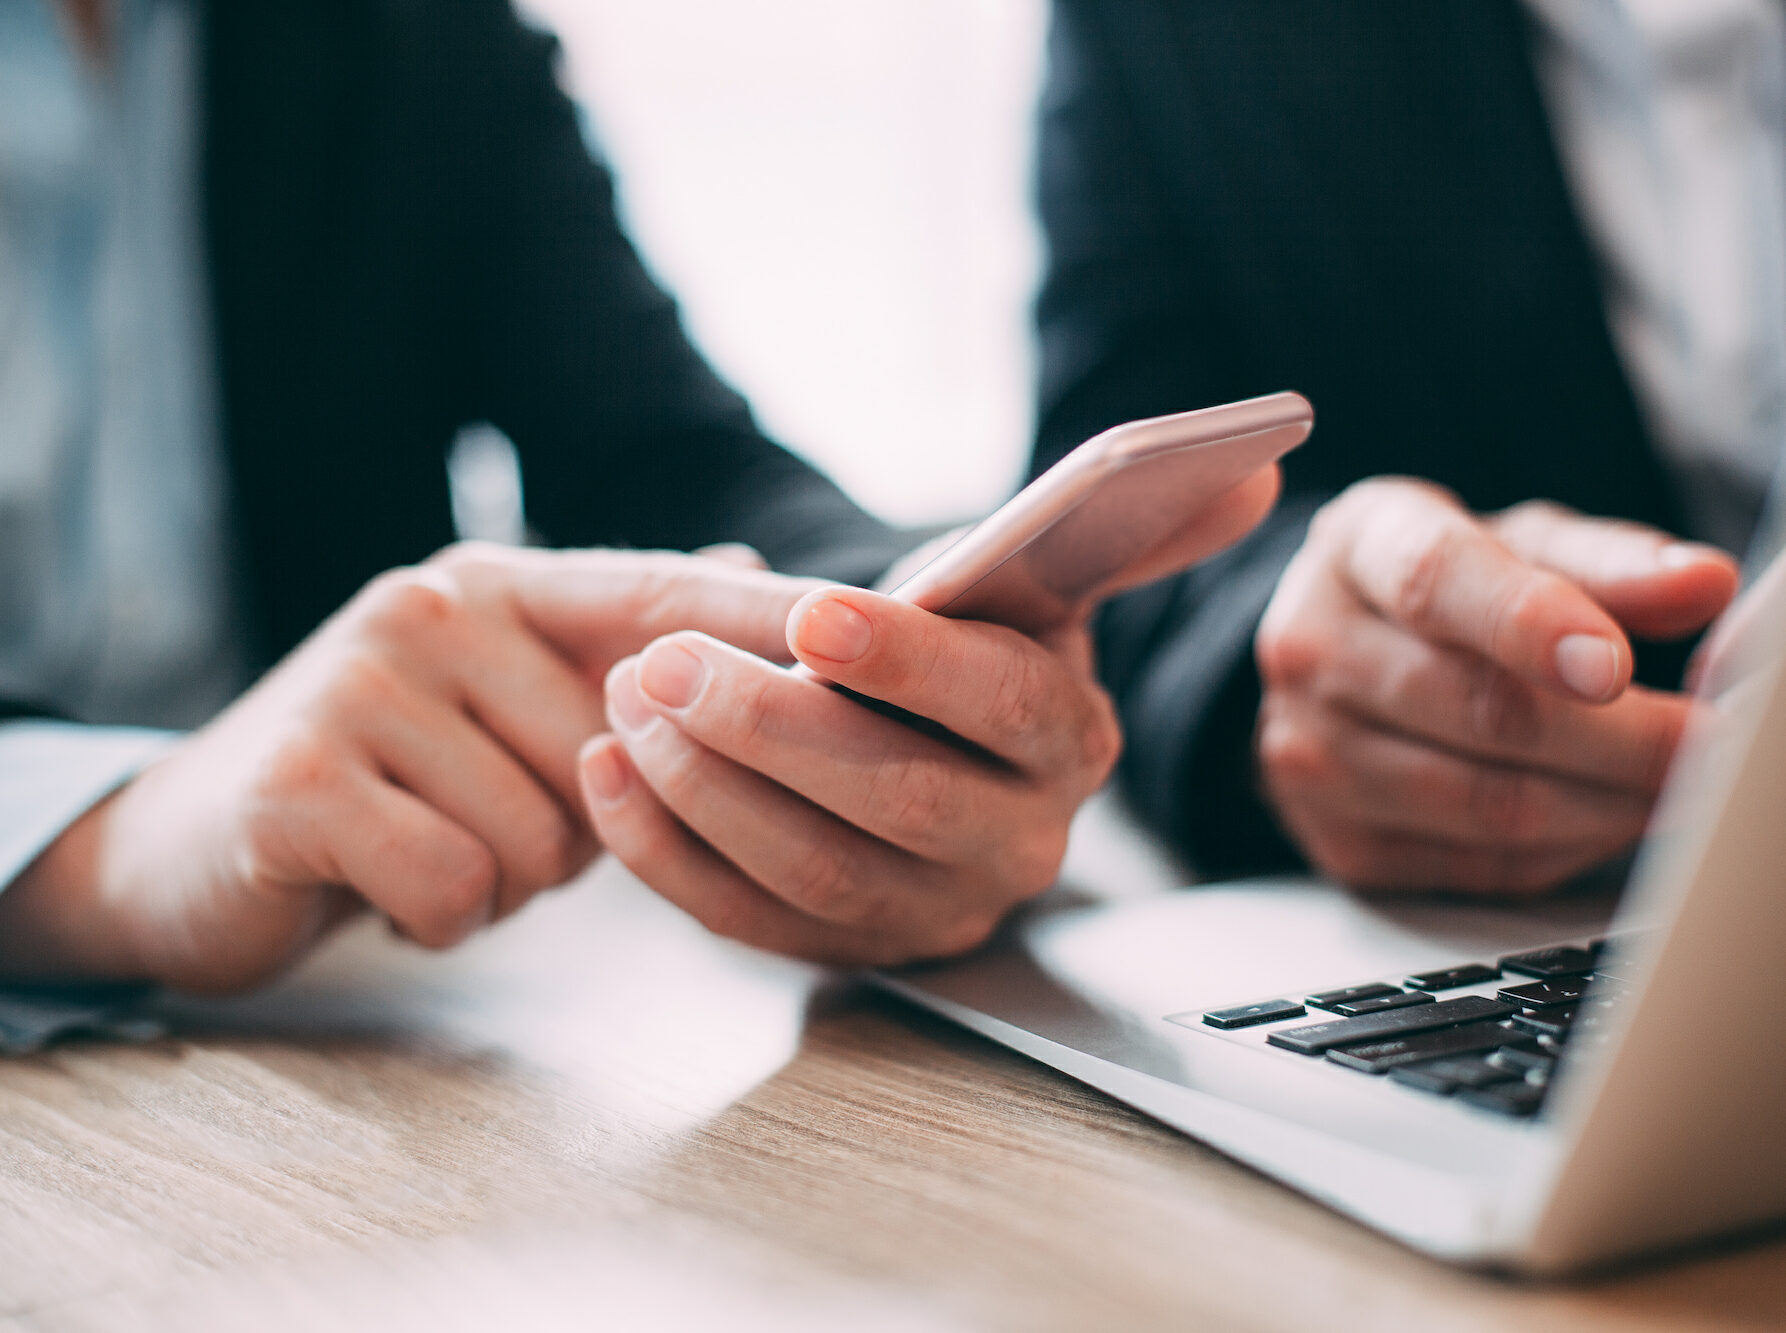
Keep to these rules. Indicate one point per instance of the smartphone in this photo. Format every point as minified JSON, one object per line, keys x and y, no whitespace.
{"x":1066,"y":540}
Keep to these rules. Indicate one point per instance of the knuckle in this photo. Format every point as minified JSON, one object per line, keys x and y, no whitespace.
{"x":822,"y":882}
{"x":1420,"y":573}
{"x":403,"y":603}
{"x":1292,"y":753}
{"x":466,"y":881}
{"x":464,"y":555}
{"x":1533,"y":529}
{"x":748,"y":715}
{"x":266,"y":838}
{"x":1338,"y":514}
{"x":474,"y":565}
{"x":293,"y":781}
{"x":1529,"y":512}
{"x":1367,"y":498}
{"x":1405,"y":680}
{"x":658,"y":592}
{"x":919,"y":796}
{"x":678,"y":771}
{"x":298,"y":770}
{"x":364,"y":685}
{"x":1288,"y":653}
{"x":1499,"y":711}
{"x":1016,"y":707}
{"x":1520,"y":609}
{"x":1101,"y":741}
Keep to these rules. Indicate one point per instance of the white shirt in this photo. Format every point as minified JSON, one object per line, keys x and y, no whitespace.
{"x":1670,"y":116}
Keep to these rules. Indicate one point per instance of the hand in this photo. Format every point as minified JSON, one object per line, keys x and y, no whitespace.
{"x":416,"y":755}
{"x":781,"y":812}
{"x":1447,"y":698}
{"x":784,"y":813}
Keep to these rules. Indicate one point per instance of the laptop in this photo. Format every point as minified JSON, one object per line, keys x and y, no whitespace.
{"x":1540,"y":1087}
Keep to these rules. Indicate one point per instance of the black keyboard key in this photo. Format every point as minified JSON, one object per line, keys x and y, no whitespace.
{"x":1588,"y":1029}
{"x":1545,"y":994}
{"x":1519,"y":1060}
{"x":1565,"y":960}
{"x":1447,"y":1076}
{"x":1450,"y":978}
{"x":1317,"y":1038}
{"x":1245,"y":1015}
{"x":1553,"y":1023}
{"x":1400,"y":999}
{"x":1332,"y":999}
{"x":1514,"y":1099}
{"x":1379,"y":1057}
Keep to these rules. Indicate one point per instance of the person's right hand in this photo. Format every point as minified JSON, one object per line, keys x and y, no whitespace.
{"x":1447,"y":698}
{"x":417,"y":755}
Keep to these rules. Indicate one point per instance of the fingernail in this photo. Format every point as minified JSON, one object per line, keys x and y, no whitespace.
{"x":1589,"y":665}
{"x":605,"y":774}
{"x":834,"y":630}
{"x":671,"y":674}
{"x":626,"y":709}
{"x":1678,"y":555}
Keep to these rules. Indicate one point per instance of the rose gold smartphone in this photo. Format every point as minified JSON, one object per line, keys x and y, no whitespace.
{"x":1063,"y":542}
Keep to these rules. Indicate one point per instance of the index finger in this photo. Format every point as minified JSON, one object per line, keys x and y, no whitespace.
{"x":1035,"y":708}
{"x":1458,"y":700}
{"x":1654,"y":584}
{"x":1418,"y":559}
{"x":609,"y":603}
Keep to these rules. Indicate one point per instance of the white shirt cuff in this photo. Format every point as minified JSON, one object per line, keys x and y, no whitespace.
{"x":51,"y":773}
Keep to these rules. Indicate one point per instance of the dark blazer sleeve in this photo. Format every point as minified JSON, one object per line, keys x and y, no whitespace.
{"x":19,"y":710}
{"x":1127,"y":330}
{"x":626,"y":435}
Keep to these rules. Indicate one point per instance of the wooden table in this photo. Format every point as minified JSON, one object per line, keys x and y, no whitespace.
{"x":596,"y":1116}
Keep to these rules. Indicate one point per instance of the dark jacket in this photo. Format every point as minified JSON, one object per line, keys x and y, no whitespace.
{"x":1361,"y":201}
{"x":407,"y":235}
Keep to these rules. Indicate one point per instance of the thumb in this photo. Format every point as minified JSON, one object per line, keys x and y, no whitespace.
{"x":1211,"y":529}
{"x":1655,"y":585}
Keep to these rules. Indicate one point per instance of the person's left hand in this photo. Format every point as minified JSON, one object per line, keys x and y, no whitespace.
{"x":785,"y":814}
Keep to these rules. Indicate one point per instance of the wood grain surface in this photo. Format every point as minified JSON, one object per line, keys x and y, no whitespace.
{"x":598,"y":1117}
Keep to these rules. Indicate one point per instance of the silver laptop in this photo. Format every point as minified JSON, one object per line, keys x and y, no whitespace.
{"x":1540,"y":1088}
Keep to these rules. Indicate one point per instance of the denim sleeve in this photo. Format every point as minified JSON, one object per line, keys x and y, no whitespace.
{"x":50,"y":774}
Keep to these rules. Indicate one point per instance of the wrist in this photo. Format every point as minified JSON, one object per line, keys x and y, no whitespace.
{"x":55,"y":922}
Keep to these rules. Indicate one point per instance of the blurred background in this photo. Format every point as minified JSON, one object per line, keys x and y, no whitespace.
{"x":839,"y":195}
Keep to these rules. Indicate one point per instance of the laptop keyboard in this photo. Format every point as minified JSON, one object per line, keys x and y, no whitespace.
{"x":1494,"y":1047}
